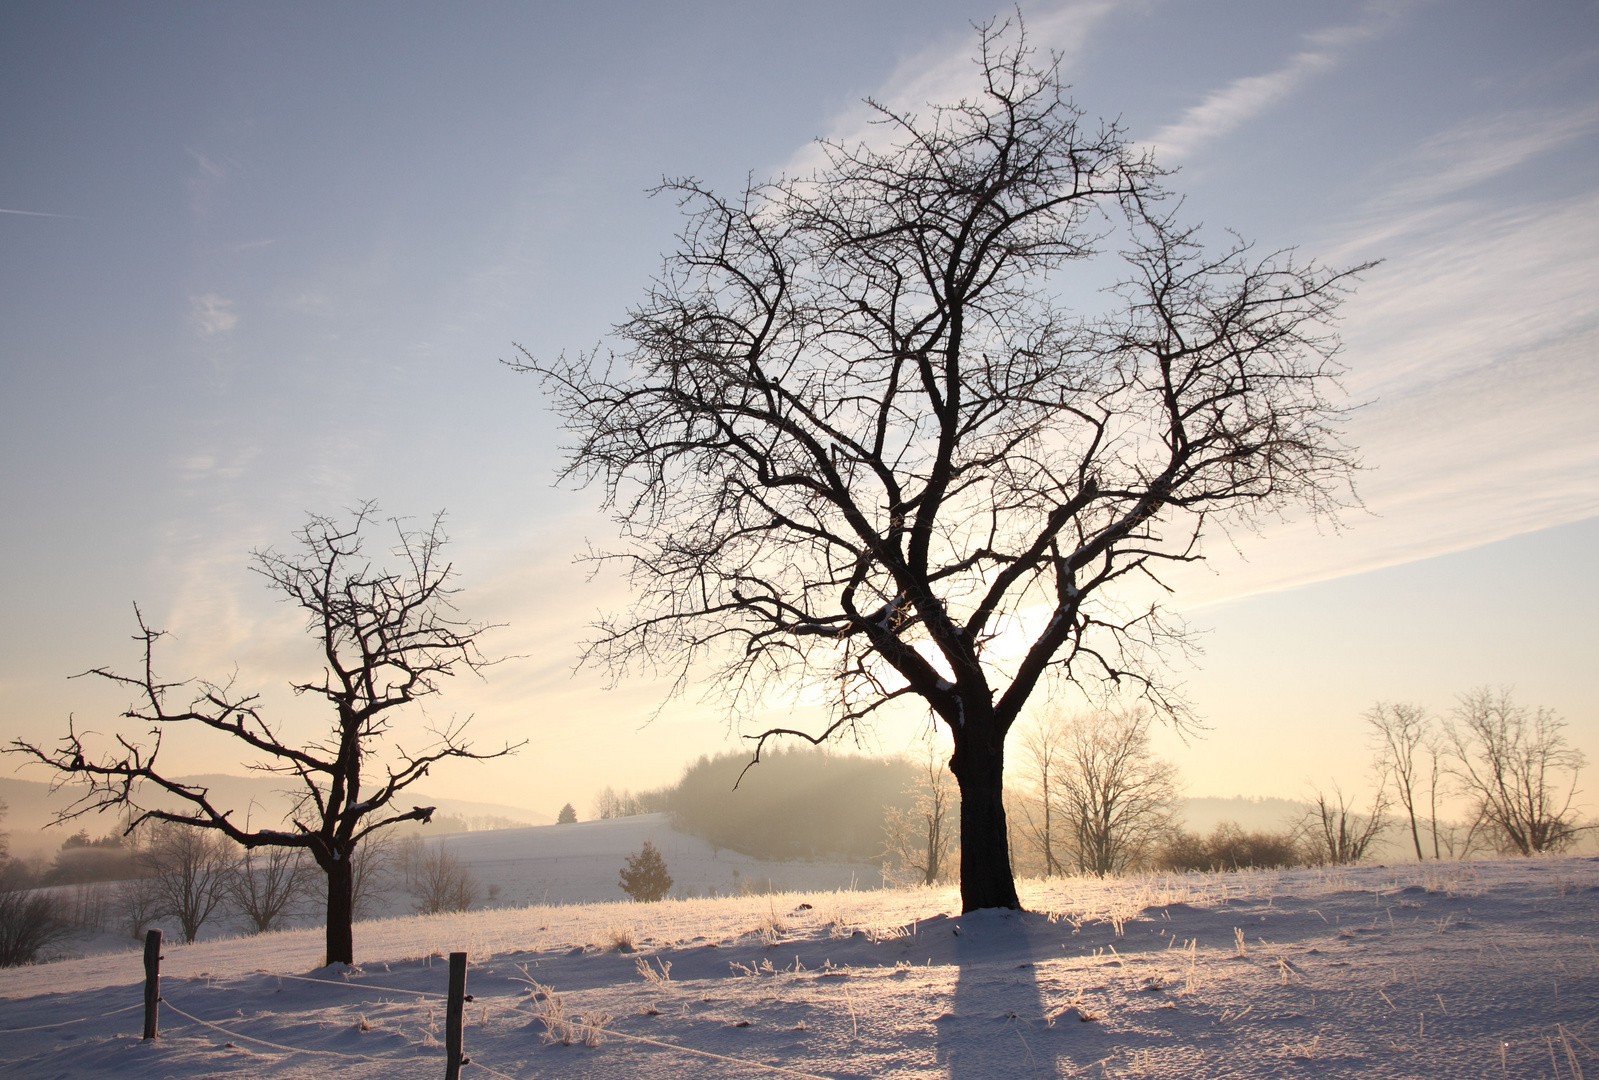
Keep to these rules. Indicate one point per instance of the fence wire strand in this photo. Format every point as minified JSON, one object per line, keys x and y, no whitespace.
{"x":64,"y":1023}
{"x":357,"y":985}
{"x":265,"y":1042}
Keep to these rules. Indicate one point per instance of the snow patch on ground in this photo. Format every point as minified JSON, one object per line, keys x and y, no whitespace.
{"x":1476,"y":969}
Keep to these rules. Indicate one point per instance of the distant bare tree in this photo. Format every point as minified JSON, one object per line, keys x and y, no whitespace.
{"x":137,"y":905}
{"x":372,"y":873}
{"x":269,"y":884}
{"x":435,"y":877}
{"x":1404,"y":734}
{"x":607,"y":804}
{"x":1042,"y":748}
{"x":1335,"y":834}
{"x":921,"y":841}
{"x":1116,"y":798}
{"x":386,"y":636}
{"x":1519,"y":771}
{"x":29,"y":920}
{"x":858,"y":426}
{"x":190,"y":872}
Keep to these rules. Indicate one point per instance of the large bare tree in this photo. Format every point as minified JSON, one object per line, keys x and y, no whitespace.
{"x":387,"y":632}
{"x":853,"y":434}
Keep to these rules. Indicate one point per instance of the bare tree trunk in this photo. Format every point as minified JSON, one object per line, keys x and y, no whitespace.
{"x":979,"y":768}
{"x":341,"y":911}
{"x":1432,"y":808}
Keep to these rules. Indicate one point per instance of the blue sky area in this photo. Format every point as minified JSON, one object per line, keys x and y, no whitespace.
{"x":262,"y":259}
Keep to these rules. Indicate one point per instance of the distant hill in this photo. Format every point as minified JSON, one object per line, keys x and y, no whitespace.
{"x":579,"y":863}
{"x":1202,"y":815}
{"x":798,"y":803}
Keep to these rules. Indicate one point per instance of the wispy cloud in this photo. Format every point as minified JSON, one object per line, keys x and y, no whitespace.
{"x":1243,"y":99}
{"x":206,"y":183}
{"x":1474,"y":341}
{"x":945,"y":72}
{"x":40,"y":213}
{"x":1476,"y":151}
{"x":211,"y":316}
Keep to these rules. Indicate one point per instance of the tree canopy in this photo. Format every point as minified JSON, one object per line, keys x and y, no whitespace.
{"x":855,"y":433}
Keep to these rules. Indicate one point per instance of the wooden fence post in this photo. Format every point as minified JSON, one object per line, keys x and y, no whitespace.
{"x":152,"y":981}
{"x":455,"y":1018}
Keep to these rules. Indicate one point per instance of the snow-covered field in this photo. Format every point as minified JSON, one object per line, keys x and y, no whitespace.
{"x":1453,"y":970}
{"x":566,"y":864}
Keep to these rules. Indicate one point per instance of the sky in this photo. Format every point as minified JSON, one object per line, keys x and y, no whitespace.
{"x":259,"y":260}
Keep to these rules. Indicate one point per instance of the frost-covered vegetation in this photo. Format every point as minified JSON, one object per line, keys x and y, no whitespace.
{"x":1447,"y":969}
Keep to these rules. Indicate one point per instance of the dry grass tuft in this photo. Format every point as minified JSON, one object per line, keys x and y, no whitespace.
{"x":617,"y":937}
{"x":593,"y":1025}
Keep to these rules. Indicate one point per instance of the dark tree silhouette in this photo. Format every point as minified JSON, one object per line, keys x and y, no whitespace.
{"x":854,"y":434}
{"x":644,"y":876}
{"x":567,"y":816}
{"x":387,"y":636}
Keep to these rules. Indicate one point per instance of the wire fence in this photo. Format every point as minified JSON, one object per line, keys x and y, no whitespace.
{"x":575,"y":1026}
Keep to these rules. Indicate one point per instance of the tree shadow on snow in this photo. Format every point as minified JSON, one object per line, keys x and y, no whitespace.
{"x":998,"y":1023}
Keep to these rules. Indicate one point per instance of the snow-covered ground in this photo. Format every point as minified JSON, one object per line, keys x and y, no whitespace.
{"x":1454,"y":970}
{"x":565,"y":864}
{"x":552,"y":865}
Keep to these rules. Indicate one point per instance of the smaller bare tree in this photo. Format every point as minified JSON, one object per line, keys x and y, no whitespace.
{"x":1117,"y":799}
{"x":269,"y":884}
{"x":436,"y":879}
{"x":607,"y":804}
{"x":137,"y":905}
{"x":372,"y":873}
{"x":1335,"y":834}
{"x":1403,"y":734}
{"x":387,"y":636}
{"x":920,"y":842}
{"x":1519,"y":771}
{"x":29,"y":920}
{"x":190,"y":871}
{"x":1042,"y":746}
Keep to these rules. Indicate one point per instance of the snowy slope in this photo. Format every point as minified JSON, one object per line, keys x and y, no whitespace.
{"x":1483,"y":969}
{"x":579,"y":863}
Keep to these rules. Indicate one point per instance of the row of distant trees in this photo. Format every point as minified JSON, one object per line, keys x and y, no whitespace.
{"x":1094,"y":799}
{"x":185,"y":876}
{"x":1088,"y":795}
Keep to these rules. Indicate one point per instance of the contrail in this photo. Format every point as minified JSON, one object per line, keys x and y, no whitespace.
{"x":36,"y":213}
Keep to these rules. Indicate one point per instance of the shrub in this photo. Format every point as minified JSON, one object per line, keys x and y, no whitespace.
{"x":644,"y":878}
{"x":1229,"y":847}
{"x":29,"y":921}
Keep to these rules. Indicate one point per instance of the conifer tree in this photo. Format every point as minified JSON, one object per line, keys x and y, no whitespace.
{"x":644,"y":878}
